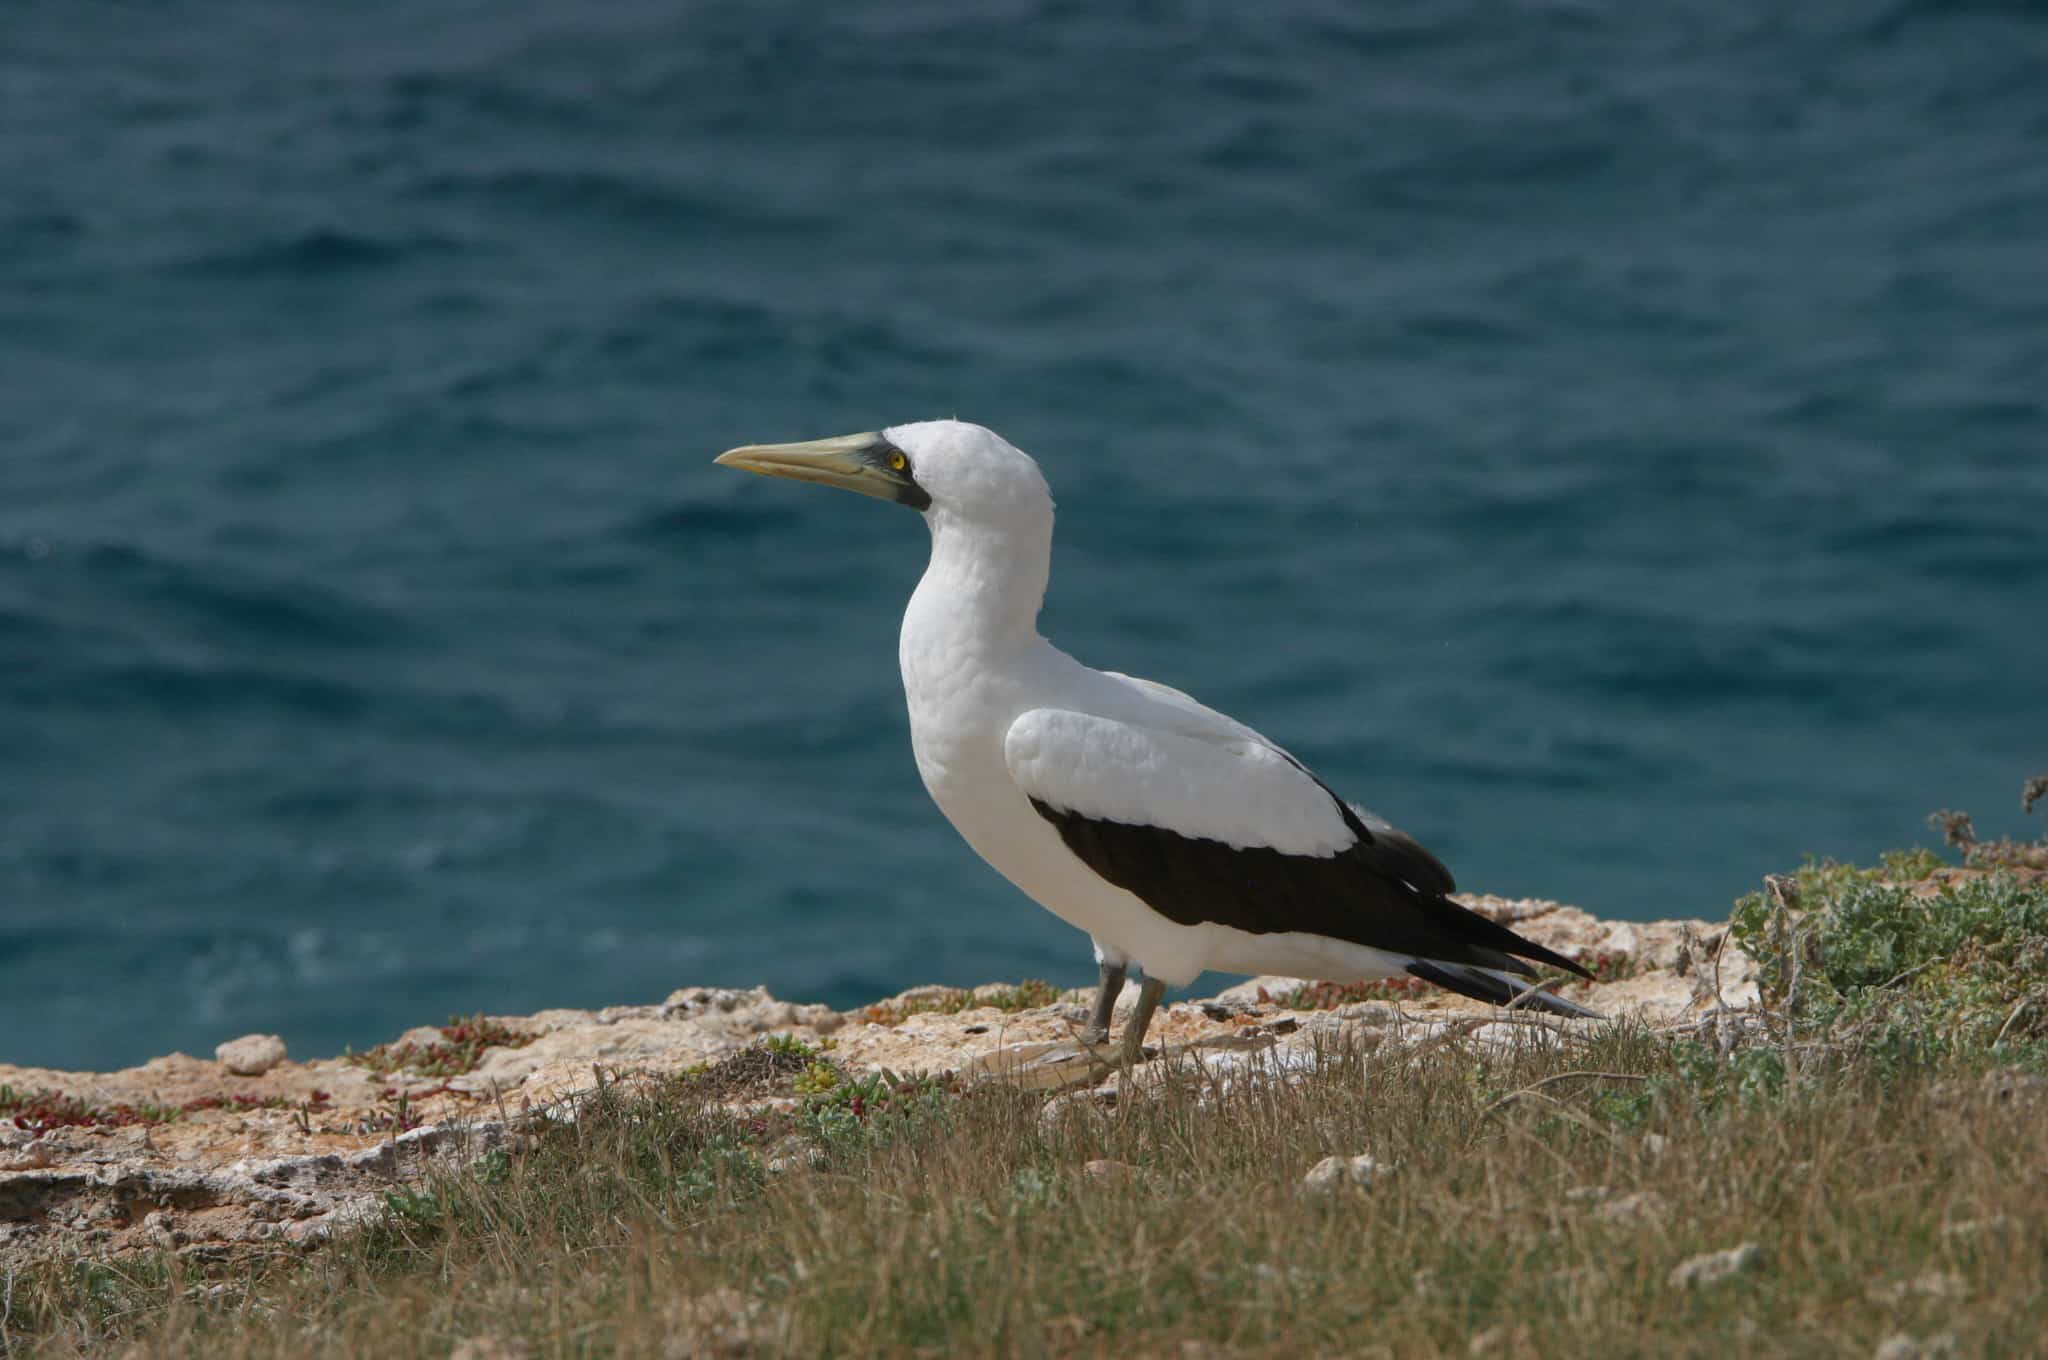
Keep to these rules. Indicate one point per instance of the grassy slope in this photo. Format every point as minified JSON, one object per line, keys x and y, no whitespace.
{"x":1890,"y":1186}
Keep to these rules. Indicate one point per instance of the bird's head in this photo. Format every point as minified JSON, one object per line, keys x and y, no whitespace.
{"x":948,"y":469}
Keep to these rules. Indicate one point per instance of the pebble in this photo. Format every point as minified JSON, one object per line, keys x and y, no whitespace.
{"x":1931,"y":1284}
{"x":252,"y":1055}
{"x":1644,"y":1206}
{"x":491,"y":1348}
{"x":1108,"y":1171}
{"x":1327,"y":1175}
{"x":1503,"y":1340}
{"x":1715,"y":1266}
{"x":794,"y":1153}
{"x":1973,"y":1227}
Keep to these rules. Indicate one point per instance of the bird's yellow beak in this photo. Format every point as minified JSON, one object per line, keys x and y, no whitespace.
{"x":867,"y":463}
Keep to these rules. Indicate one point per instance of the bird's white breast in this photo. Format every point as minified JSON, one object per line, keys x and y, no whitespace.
{"x":964,"y":689}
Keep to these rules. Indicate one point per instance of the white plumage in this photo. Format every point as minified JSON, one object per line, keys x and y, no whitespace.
{"x":1178,"y":838}
{"x":1215,"y":784}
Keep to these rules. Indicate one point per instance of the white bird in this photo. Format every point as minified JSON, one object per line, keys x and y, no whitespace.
{"x":1178,"y":838}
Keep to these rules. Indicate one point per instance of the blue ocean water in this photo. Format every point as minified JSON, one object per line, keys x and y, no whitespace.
{"x":1610,"y":440}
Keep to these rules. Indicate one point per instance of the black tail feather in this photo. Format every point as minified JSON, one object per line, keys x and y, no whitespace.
{"x":1488,"y":933}
{"x":1481,"y":985}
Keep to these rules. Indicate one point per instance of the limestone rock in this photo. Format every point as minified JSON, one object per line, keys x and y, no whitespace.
{"x":300,"y":1150}
{"x":253,"y":1054}
{"x":1039,"y":1066}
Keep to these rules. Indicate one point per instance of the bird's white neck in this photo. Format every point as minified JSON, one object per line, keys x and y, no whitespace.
{"x":982,"y":590}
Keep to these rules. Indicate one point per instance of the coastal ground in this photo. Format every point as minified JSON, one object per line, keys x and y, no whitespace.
{"x":1808,"y":1130}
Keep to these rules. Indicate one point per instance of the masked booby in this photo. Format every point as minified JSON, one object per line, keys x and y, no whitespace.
{"x":1178,"y":838}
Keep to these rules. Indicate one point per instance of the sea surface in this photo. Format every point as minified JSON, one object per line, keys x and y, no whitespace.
{"x":1610,"y":440}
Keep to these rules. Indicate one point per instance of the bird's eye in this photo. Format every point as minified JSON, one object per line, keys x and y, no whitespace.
{"x":897,"y":462}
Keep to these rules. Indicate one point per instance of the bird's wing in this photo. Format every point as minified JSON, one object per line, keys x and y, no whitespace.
{"x":1404,"y":856}
{"x":1412,"y":859}
{"x":1218,"y":786}
{"x":1176,"y":711}
{"x":1211,"y":824}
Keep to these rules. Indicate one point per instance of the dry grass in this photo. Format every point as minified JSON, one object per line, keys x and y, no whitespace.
{"x":1958,"y":830}
{"x":965,"y":1224}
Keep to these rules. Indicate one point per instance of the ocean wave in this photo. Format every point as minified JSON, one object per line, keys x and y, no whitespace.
{"x":679,"y":528}
{"x":1957,"y":549}
{"x":26,"y":628}
{"x":316,"y":253}
{"x":31,"y":231}
{"x":684,"y":330}
{"x":414,"y":99}
{"x":170,"y":688}
{"x":226,"y":603}
{"x":649,"y":200}
{"x":1895,"y":21}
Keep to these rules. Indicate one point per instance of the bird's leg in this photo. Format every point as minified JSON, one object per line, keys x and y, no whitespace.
{"x":1141,"y":1020}
{"x":1113,"y":975}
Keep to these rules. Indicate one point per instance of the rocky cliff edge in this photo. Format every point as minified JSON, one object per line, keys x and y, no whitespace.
{"x":253,"y":1151}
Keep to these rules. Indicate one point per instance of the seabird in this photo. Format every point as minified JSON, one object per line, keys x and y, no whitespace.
{"x":1178,"y":838}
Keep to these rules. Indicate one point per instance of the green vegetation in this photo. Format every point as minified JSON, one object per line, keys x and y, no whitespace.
{"x":38,"y":1112}
{"x":1903,"y":963}
{"x":1026,"y":995}
{"x":1872,"y":1126}
{"x":459,"y":1050}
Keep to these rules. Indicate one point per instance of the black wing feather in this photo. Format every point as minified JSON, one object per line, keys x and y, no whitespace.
{"x":1406,"y":857}
{"x":1385,"y":891}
